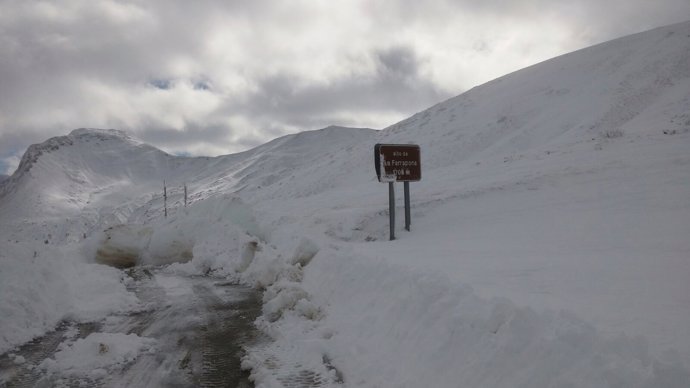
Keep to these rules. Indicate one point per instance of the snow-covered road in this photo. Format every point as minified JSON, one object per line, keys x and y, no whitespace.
{"x":190,"y":332}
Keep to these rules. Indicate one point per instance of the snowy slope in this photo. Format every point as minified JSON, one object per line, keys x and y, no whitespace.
{"x":563,"y":186}
{"x":549,"y":242}
{"x":81,"y":175}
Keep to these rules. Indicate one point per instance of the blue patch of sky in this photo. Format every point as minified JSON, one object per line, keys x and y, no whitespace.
{"x":8,"y":161}
{"x":182,"y":153}
{"x":202,"y":85}
{"x":4,"y":168}
{"x":161,"y":83}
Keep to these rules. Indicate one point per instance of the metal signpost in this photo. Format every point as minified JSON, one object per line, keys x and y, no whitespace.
{"x":398,"y":163}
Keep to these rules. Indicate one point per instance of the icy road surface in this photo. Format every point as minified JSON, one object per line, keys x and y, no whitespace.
{"x":190,"y":333}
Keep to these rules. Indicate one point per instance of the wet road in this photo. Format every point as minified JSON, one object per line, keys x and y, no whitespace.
{"x":200,"y":325}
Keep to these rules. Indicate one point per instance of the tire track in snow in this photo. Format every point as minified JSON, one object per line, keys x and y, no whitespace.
{"x":37,"y":350}
{"x":200,"y":337}
{"x":201,"y":333}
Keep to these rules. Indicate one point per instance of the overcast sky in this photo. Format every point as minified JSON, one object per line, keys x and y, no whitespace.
{"x":213,"y":77}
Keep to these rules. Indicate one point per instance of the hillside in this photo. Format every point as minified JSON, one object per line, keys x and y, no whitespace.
{"x":549,"y":243}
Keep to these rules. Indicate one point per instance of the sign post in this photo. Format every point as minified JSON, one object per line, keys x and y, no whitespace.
{"x":398,"y":163}
{"x":406,"y":188}
{"x":391,"y":209}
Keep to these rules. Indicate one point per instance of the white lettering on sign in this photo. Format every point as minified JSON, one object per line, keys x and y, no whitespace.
{"x":401,"y":172}
{"x":400,"y":163}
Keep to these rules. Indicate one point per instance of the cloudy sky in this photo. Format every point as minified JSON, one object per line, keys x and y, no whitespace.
{"x":211,"y":77}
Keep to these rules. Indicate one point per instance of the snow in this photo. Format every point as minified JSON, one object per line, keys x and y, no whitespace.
{"x":98,"y":353}
{"x":18,"y":360}
{"x":42,"y":286}
{"x":570,"y":239}
{"x":548,"y":245}
{"x":439,"y":332}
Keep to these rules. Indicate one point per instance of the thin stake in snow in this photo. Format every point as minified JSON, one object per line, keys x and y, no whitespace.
{"x":185,"y":195}
{"x":165,"y":200}
{"x":391,"y":209}
{"x":408,"y":218}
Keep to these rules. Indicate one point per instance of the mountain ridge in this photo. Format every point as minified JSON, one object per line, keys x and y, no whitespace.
{"x":495,"y":128}
{"x":593,"y":97}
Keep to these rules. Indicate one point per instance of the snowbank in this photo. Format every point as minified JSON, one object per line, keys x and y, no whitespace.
{"x":213,"y":234}
{"x":362,"y":321}
{"x":96,"y":355}
{"x":433,"y":332}
{"x":40,"y":286}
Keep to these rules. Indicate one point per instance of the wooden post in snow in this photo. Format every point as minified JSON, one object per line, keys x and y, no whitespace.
{"x":165,"y":200}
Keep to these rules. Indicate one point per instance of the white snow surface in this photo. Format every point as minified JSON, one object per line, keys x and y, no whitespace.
{"x":549,"y":243}
{"x":37,"y":292}
{"x":97,"y":354}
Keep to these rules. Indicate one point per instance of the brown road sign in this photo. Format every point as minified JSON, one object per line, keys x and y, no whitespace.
{"x":397,"y":162}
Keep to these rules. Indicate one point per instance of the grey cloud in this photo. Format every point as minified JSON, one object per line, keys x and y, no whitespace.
{"x":60,"y":70}
{"x":395,"y":86}
{"x":193,"y":134}
{"x":13,"y":141}
{"x":400,"y":62}
{"x":594,"y":20}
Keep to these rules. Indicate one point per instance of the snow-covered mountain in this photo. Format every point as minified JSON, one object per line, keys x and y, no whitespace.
{"x":97,"y":178}
{"x":563,"y":186}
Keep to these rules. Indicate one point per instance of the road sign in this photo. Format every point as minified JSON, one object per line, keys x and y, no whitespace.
{"x":397,"y":162}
